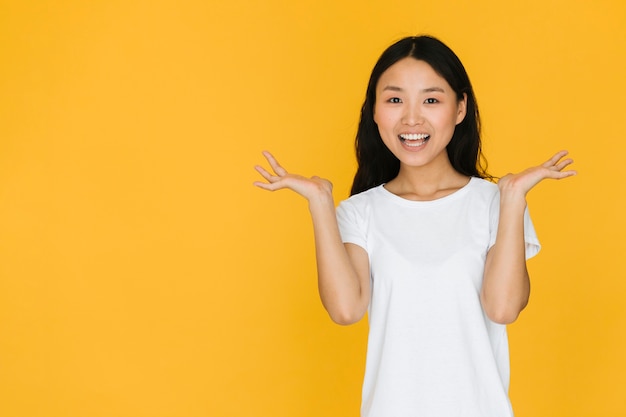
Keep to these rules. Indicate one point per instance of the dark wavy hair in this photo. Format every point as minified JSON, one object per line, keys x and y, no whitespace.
{"x":376,"y":164}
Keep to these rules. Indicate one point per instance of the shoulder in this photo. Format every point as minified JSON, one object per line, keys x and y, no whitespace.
{"x":363,"y":198}
{"x":483,"y":185}
{"x":483,"y":189}
{"x":361,"y":203}
{"x":482,"y":194}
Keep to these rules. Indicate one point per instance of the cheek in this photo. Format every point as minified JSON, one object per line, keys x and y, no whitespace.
{"x":381,"y":119}
{"x":450,"y":119}
{"x":385,"y":129}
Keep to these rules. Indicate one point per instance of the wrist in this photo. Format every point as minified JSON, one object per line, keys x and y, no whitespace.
{"x":512,"y":200}
{"x":321,"y":198}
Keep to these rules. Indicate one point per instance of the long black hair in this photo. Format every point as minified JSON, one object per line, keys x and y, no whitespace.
{"x":376,"y":164}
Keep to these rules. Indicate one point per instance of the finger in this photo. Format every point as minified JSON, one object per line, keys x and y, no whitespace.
{"x":278,"y":169}
{"x":558,"y":171}
{"x":559,"y":175}
{"x":564,"y":163}
{"x":266,"y":186}
{"x":554,"y":160}
{"x":269,"y":177}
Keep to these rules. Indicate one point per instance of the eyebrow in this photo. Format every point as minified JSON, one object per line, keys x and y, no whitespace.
{"x":425,"y":90}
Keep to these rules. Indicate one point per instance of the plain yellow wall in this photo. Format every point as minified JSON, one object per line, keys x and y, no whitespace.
{"x":141,"y":274}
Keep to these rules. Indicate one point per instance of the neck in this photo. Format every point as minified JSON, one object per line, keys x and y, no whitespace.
{"x":426,"y":182}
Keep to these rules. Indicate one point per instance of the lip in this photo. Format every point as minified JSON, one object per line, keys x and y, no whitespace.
{"x":413,"y":141}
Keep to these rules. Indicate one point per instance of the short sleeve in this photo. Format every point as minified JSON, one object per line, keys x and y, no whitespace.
{"x":351,"y":223}
{"x":530,"y":236}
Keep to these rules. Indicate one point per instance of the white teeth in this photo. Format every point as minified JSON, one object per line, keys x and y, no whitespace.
{"x":414,"y":144}
{"x":414,"y":136}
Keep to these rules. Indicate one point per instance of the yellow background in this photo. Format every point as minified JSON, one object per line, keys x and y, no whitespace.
{"x":141,"y":273}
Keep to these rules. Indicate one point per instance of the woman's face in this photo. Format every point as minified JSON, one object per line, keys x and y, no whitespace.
{"x":416,"y":112}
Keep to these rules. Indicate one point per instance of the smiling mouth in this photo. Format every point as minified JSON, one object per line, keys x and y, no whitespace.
{"x":414,"y":139}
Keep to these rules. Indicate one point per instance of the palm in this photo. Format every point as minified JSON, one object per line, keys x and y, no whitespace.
{"x":527,"y":179}
{"x":281,"y":179}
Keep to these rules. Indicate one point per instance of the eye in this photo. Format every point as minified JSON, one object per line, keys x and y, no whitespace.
{"x":394,"y":100}
{"x":431,"y":101}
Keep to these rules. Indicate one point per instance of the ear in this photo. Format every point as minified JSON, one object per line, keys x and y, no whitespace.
{"x":461,"y":109}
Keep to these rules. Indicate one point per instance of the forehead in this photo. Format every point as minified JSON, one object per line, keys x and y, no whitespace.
{"x":409,"y":73}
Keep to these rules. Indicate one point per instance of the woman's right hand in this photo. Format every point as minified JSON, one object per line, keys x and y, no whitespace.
{"x":310,"y":188}
{"x":343,"y":270}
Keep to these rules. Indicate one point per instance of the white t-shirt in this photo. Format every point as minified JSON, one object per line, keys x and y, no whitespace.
{"x":432,"y":351}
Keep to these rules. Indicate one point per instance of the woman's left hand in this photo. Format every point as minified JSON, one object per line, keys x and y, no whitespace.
{"x":524,"y":181}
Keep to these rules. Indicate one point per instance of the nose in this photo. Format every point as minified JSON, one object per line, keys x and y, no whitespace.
{"x":412,"y":116}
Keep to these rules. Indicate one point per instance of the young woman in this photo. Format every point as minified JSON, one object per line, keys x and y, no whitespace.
{"x":432,"y":250}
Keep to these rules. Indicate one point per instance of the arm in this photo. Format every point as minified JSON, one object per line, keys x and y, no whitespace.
{"x":342,"y":269}
{"x":506,"y":284}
